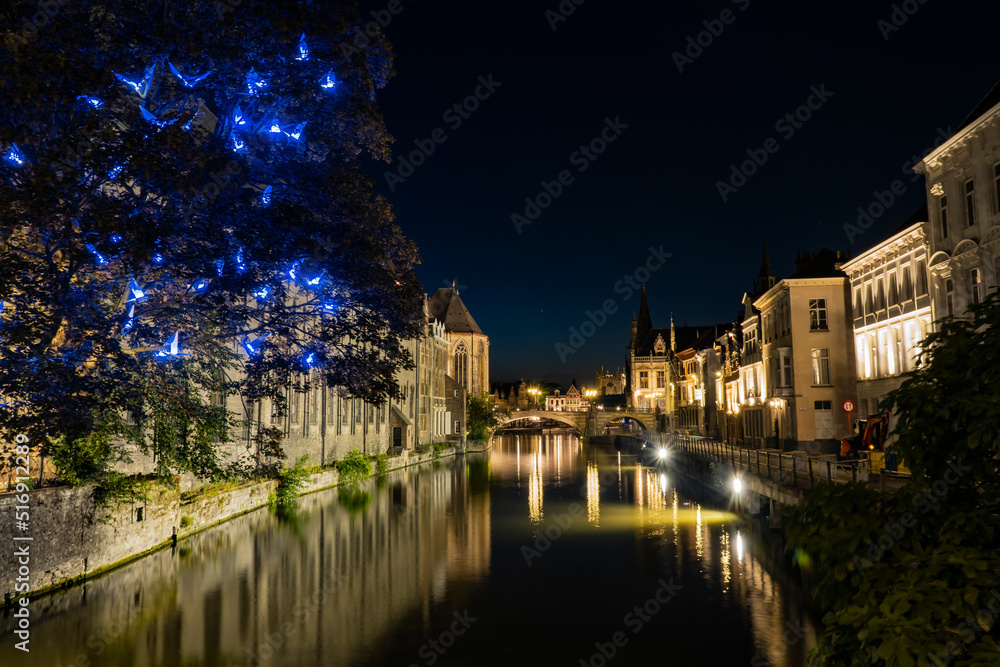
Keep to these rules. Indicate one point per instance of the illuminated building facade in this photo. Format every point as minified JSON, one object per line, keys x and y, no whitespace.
{"x":963,"y":200}
{"x":892,"y":312}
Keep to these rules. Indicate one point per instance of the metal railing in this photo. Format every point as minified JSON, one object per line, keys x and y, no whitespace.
{"x":777,"y":466}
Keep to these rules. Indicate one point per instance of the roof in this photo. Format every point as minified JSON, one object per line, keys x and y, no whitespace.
{"x":446,"y":305}
{"x":991,"y":100}
{"x":644,"y":347}
{"x":819,"y":265}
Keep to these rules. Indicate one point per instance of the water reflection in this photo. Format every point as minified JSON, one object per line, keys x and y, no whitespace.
{"x":368,"y":576}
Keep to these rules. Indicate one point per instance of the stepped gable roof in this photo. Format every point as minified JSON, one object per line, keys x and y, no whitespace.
{"x":991,"y":100}
{"x":446,"y":305}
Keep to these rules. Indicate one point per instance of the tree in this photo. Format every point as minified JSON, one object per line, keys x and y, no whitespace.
{"x":480,"y":417}
{"x":914,"y":578}
{"x":184,"y":212}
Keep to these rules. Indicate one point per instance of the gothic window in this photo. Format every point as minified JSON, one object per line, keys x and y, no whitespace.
{"x":462,"y":366}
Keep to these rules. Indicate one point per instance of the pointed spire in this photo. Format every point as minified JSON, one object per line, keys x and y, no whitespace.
{"x":765,"y":265}
{"x":645,"y":323}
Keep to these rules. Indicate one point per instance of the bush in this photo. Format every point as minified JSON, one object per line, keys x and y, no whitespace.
{"x":186,"y":521}
{"x":354,"y":468}
{"x":290,"y":482}
{"x":381,"y":464}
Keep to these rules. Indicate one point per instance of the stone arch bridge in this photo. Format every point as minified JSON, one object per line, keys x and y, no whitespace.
{"x":587,"y":423}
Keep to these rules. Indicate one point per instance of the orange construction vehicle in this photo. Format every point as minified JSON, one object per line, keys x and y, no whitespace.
{"x":874,"y":431}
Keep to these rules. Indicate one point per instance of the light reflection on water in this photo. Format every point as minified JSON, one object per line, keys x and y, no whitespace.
{"x":370,"y":584}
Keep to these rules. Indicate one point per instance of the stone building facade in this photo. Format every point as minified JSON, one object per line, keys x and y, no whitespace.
{"x":963,"y":199}
{"x":469,"y":351}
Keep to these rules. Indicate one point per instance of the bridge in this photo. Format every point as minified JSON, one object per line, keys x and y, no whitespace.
{"x":587,"y":423}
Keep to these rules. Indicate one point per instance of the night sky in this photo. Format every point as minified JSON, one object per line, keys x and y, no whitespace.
{"x":887,"y":94}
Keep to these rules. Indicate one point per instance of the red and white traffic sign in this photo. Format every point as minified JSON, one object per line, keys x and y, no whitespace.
{"x":848,"y":406}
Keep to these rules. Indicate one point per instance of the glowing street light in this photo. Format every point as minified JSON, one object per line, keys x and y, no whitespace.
{"x":737,"y":485}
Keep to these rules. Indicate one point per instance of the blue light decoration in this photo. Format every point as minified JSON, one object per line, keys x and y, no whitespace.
{"x":330,"y":307}
{"x":255,"y":82}
{"x":92,"y":101}
{"x":172,"y":348}
{"x":314,"y":281}
{"x":309,"y":360}
{"x":115,"y":171}
{"x":241,"y":267}
{"x":199,"y":285}
{"x":101,"y":261}
{"x":275,"y":126}
{"x":293,"y":271}
{"x":303,"y":49}
{"x":191,"y":81}
{"x":140,"y":86}
{"x":265,"y":198}
{"x":297,"y":132}
{"x":158,"y":259}
{"x":237,"y":144}
{"x":135,"y":293}
{"x":263,"y":292}
{"x":15,"y":155}
{"x":238,"y":117}
{"x":128,"y":322}
{"x":219,"y":266}
{"x":253,"y":346}
{"x":115,"y":238}
{"x":328,"y":82}
{"x":154,"y":120}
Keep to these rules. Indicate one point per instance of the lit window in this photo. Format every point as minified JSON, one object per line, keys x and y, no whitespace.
{"x":893,"y":289}
{"x":821,"y":366}
{"x":643,"y":379}
{"x":976,"y":285}
{"x":660,"y":379}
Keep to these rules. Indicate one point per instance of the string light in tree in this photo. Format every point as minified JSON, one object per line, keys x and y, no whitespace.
{"x":140,"y":86}
{"x":265,"y":197}
{"x":191,"y":81}
{"x":172,"y":348}
{"x":328,"y":82}
{"x":303,"y":49}
{"x":253,"y":346}
{"x":15,"y":155}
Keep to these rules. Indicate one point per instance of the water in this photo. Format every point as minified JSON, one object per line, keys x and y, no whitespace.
{"x":542,"y":551}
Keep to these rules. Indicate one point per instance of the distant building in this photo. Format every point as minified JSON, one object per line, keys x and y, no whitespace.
{"x":963,"y":200}
{"x":608,"y":383}
{"x":892,"y":311}
{"x":649,"y":362}
{"x":469,"y":352}
{"x":432,"y":369}
{"x":571,"y":401}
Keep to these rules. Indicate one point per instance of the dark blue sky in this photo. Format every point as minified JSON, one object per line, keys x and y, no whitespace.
{"x":657,"y":183}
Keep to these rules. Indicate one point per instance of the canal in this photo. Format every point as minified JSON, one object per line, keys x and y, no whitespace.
{"x":544,"y":550}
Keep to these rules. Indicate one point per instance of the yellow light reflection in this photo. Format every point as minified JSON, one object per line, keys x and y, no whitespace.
{"x":535,"y":491}
{"x":726,"y":573}
{"x":739,"y":547}
{"x":699,"y":546}
{"x":593,"y":494}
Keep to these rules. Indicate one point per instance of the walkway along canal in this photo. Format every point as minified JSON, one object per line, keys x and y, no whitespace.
{"x":543,"y":550}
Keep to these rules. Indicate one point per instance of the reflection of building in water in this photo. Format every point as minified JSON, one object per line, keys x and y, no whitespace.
{"x":328,"y":587}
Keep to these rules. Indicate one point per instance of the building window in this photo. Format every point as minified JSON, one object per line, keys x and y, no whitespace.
{"x":356,"y":407}
{"x":949,"y":296}
{"x":970,"y":202}
{"x":660,"y":379}
{"x":786,"y":370}
{"x":864,"y":363}
{"x":921,"y":278}
{"x":869,"y":302}
{"x":859,"y":308}
{"x":906,"y":291}
{"x":996,"y":186}
{"x":944,"y":218}
{"x":817,"y":314}
{"x":314,"y":407}
{"x":821,"y":366}
{"x":458,"y":427}
{"x":296,"y":402}
{"x":643,"y":379}
{"x":976,"y":285}
{"x":879,"y":295}
{"x":893,"y":289}
{"x":462,"y":366}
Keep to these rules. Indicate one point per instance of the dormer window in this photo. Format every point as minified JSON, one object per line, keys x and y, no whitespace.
{"x":659,"y":347}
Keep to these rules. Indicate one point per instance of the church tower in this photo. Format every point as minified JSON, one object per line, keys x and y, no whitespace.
{"x":765,"y":279}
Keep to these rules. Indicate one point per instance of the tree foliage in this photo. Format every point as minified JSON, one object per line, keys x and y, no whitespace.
{"x":480,"y":417}
{"x":914,"y":578}
{"x":184,"y":212}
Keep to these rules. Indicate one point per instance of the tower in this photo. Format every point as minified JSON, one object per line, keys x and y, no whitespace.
{"x":765,"y":279}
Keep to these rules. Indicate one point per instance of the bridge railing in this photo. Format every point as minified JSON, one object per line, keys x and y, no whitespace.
{"x":779,"y":466}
